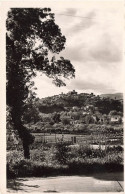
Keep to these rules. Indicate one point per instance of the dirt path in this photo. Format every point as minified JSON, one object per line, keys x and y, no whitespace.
{"x":108,"y":183}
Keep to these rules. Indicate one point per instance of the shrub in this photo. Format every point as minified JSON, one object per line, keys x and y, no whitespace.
{"x":86,"y":152}
{"x":62,"y":152}
{"x":28,"y":168}
{"x":65,"y":120}
{"x":114,"y":149}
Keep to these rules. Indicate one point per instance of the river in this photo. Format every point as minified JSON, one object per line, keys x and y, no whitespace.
{"x":106,"y":182}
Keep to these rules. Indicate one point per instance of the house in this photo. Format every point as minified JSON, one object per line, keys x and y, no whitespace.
{"x":115,"y":119}
{"x":72,"y":92}
{"x":75,"y":108}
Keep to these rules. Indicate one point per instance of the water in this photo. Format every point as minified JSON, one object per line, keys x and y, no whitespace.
{"x":106,"y":182}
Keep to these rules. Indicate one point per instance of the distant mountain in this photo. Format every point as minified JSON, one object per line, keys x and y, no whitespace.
{"x":117,"y":96}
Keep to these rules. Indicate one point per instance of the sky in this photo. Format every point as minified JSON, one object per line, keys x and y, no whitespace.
{"x":94,"y":45}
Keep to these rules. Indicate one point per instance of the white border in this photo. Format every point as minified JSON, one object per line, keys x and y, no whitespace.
{"x":4,"y":7}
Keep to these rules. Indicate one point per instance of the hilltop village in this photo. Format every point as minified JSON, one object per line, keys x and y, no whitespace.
{"x":72,"y":111}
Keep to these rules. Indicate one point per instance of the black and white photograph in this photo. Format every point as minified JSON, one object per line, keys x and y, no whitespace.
{"x":64,"y":96}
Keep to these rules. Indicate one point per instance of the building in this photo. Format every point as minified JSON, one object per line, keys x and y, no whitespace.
{"x":115,"y":119}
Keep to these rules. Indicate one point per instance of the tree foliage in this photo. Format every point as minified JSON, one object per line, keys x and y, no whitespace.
{"x":31,"y":35}
{"x":31,"y":115}
{"x":65,"y":120}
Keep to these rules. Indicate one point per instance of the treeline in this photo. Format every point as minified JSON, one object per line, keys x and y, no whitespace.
{"x":105,"y":105}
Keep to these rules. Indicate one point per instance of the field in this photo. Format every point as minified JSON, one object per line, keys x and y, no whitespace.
{"x":62,"y":154}
{"x":92,"y":135}
{"x":80,"y":139}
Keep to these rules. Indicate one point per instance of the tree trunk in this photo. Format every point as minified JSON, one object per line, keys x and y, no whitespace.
{"x":24,"y":135}
{"x":26,"y":150}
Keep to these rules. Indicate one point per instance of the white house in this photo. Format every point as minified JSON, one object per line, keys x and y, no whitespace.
{"x":115,"y":119}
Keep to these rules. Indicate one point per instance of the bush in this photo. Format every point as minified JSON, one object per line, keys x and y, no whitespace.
{"x":28,"y":168}
{"x":114,"y":149}
{"x":86,"y":152}
{"x":65,"y":120}
{"x":64,"y":158}
{"x":62,"y":152}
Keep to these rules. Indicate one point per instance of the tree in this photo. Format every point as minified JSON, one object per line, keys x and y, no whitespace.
{"x":88,"y":119}
{"x":31,"y":35}
{"x":65,"y":120}
{"x":56,"y":118}
{"x":76,"y":115}
{"x":113,"y":112}
{"x":31,"y":114}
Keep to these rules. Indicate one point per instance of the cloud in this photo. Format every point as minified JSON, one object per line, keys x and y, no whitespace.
{"x":93,"y":77}
{"x":65,"y":16}
{"x":84,"y":22}
{"x":91,"y":86}
{"x":70,"y":11}
{"x":75,"y":53}
{"x":96,"y":39}
{"x":106,"y":50}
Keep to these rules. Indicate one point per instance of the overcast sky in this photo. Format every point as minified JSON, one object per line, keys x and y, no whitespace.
{"x":94,"y":45}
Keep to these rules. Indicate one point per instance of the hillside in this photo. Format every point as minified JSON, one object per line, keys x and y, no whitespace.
{"x":61,"y":102}
{"x":71,"y":112}
{"x":117,"y":96}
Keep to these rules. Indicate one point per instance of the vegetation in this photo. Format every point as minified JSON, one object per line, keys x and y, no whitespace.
{"x":98,"y":148}
{"x":64,"y":159}
{"x":57,"y":103}
{"x":59,"y":111}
